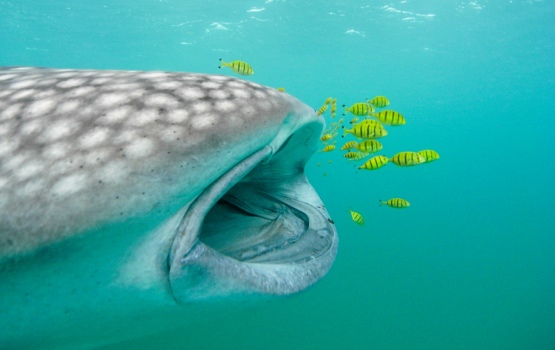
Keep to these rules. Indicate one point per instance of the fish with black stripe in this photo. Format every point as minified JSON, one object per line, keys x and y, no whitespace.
{"x":369,"y":146}
{"x":429,"y":155}
{"x":359,"y":109}
{"x":322,"y":109}
{"x":390,"y":117}
{"x":349,"y":145}
{"x":357,"y":217}
{"x":238,"y":67}
{"x":379,"y":101}
{"x":355,"y":155}
{"x":397,"y":203}
{"x":407,"y":159}
{"x":374,"y":163}
{"x":328,"y":148}
{"x":367,"y":129}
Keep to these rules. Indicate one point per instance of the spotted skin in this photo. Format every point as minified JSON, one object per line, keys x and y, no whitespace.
{"x":79,"y":148}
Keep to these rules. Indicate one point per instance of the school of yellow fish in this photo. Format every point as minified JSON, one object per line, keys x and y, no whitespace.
{"x":367,"y":127}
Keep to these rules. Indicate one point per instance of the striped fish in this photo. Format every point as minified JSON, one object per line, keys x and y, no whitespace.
{"x":374,"y":163}
{"x":379,"y":101}
{"x":238,"y":67}
{"x":359,"y":109}
{"x":396,"y":203}
{"x":349,"y":145}
{"x":367,"y":130}
{"x":355,"y":155}
{"x":390,"y":117}
{"x":429,"y":155}
{"x":408,"y":159}
{"x":322,"y":109}
{"x":370,"y":121}
{"x":326,"y":137}
{"x":328,"y":148}
{"x":369,"y":146}
{"x":357,"y":217}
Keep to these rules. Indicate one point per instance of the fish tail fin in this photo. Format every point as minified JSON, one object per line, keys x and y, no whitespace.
{"x":345,"y":132}
{"x":346,"y":109}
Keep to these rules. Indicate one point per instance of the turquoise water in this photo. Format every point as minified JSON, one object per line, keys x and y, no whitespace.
{"x":470,"y":265}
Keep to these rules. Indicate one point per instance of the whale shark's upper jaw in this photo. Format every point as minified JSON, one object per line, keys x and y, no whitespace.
{"x":260,"y":228}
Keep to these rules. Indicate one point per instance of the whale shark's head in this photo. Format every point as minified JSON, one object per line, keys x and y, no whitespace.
{"x":218,"y":162}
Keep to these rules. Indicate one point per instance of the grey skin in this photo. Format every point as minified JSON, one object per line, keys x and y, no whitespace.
{"x":122,"y":190}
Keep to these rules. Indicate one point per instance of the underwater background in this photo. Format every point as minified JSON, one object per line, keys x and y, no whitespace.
{"x":470,"y":265}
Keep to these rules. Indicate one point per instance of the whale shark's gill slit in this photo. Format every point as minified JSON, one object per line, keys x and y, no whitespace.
{"x":260,"y":228}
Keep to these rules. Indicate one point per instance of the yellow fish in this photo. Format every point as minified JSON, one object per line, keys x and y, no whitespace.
{"x":396,"y":203}
{"x":369,"y":146}
{"x":429,"y":155}
{"x":374,"y":163}
{"x":372,"y":122}
{"x":322,"y":109}
{"x":355,"y":155}
{"x":379,"y":101}
{"x":328,"y":148}
{"x":348,"y":145}
{"x":366,"y":130}
{"x":238,"y":67}
{"x":359,"y":109}
{"x":326,"y":137}
{"x":408,"y":159}
{"x":389,"y":117}
{"x":357,"y":217}
{"x":281,"y":89}
{"x":354,"y":120}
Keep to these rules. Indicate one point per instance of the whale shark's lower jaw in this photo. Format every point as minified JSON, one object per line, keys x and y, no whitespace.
{"x":259,"y":229}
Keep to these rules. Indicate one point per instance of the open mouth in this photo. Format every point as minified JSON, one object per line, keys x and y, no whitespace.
{"x":259,"y":228}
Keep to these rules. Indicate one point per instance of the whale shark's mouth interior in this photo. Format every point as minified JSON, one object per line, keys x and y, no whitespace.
{"x":260,"y":227}
{"x":253,"y":223}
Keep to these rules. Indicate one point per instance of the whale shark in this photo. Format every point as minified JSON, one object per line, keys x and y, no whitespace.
{"x":124,"y":191}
